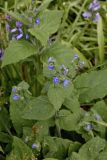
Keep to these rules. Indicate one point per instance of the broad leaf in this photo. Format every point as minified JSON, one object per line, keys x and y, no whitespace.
{"x":101,"y":109}
{"x":39,"y":109}
{"x":69,"y":121}
{"x":17,"y":108}
{"x":17,"y":51}
{"x":56,"y":96}
{"x":91,"y":85}
{"x":49,"y":24}
{"x":92,"y":149}
{"x":20,"y":151}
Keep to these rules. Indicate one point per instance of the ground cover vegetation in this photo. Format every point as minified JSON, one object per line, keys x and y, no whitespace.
{"x":53,"y":80}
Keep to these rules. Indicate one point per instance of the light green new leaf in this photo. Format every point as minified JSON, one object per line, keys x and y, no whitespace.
{"x":56,"y":96}
{"x":49,"y":24}
{"x":20,"y":151}
{"x":17,"y":51}
{"x":39,"y":109}
{"x":100,"y":35}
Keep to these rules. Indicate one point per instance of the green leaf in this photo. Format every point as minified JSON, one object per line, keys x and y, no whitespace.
{"x":92,"y":149}
{"x":91,"y":85}
{"x":20,"y":151}
{"x":47,"y":25}
{"x":5,"y":138}
{"x":61,"y":52}
{"x":100,"y":35}
{"x":56,"y":96}
{"x":39,"y":109}
{"x":17,"y":51}
{"x":103,"y":155}
{"x":72,"y":103}
{"x":101,"y":109}
{"x":17,"y":108}
{"x":56,"y":147}
{"x":4,"y":120}
{"x":69,"y":121}
{"x":44,"y":4}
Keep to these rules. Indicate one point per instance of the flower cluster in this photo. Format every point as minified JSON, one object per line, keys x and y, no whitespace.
{"x":93,"y":11}
{"x":16,"y":96}
{"x":18,"y":32}
{"x":78,"y":63}
{"x":61,"y":73}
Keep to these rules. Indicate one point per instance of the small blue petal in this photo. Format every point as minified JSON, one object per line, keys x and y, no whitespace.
{"x":94,"y":6}
{"x":87,"y":14}
{"x":88,"y":127}
{"x":65,"y":82}
{"x":16,"y":97}
{"x":56,"y":80}
{"x":97,"y":17}
{"x":13,"y":30}
{"x":19,"y":36}
{"x":14,"y":89}
{"x":27,"y":36}
{"x":51,"y":60}
{"x":7,"y":28}
{"x":34,"y":146}
{"x":50,"y":67}
{"x":19,"y":24}
{"x":1,"y":53}
{"x":38,"y":21}
{"x":76,"y":57}
{"x":97,"y":117}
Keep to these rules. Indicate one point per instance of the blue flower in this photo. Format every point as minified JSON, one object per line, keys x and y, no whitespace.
{"x":65,"y":82}
{"x":97,"y":117}
{"x":38,"y":21}
{"x":51,"y":67}
{"x":19,"y":24}
{"x":14,"y":89}
{"x":13,"y":30}
{"x":87,"y":14}
{"x":7,"y":28}
{"x":56,"y":80}
{"x":94,"y":6}
{"x":76,"y":57}
{"x":27,"y":36}
{"x":97,"y":17}
{"x":8,"y":17}
{"x":34,"y":146}
{"x":1,"y":53}
{"x":16,"y":97}
{"x":19,"y":36}
{"x":88,"y":127}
